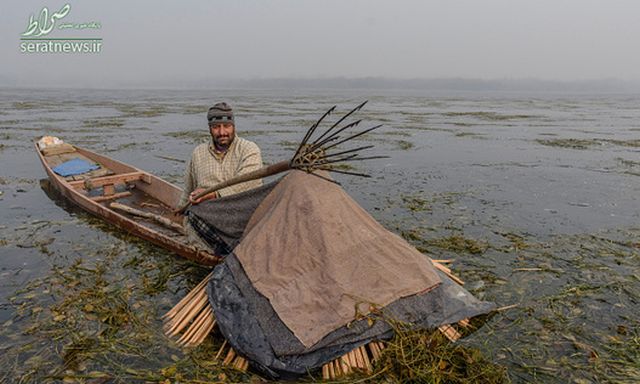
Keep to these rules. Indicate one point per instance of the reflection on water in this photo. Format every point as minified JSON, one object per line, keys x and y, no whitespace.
{"x":534,"y":196}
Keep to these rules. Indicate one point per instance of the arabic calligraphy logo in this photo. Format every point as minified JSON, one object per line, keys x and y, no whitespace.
{"x":45,"y":23}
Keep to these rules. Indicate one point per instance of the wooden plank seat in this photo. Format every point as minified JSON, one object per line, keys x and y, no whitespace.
{"x":103,"y":181}
{"x":108,"y":184}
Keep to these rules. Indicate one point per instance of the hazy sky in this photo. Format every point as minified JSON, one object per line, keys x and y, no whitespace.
{"x":153,"y":41}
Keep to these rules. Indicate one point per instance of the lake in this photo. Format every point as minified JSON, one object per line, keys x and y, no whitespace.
{"x":535,"y":196}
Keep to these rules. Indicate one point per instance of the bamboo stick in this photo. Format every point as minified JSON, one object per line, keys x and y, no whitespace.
{"x":365,"y":357}
{"x":337,"y":368}
{"x":442,"y":267}
{"x":359,"y":360}
{"x":157,"y":218}
{"x":224,"y":344}
{"x":450,"y":332}
{"x":346,"y":368}
{"x":184,"y":317}
{"x":332,"y":374}
{"x":229,"y":358}
{"x":204,"y":331}
{"x":197,"y":301}
{"x":237,"y":363}
{"x":505,"y":307}
{"x":246,"y":365}
{"x":188,"y":297}
{"x":352,"y":359}
{"x":199,"y":330}
{"x":193,"y":328}
{"x":447,"y":272}
{"x":375,"y":352}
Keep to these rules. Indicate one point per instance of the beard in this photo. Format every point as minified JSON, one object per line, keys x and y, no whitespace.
{"x":224,"y":141}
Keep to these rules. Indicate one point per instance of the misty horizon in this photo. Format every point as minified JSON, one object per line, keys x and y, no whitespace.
{"x":494,"y":44}
{"x":607,"y":85}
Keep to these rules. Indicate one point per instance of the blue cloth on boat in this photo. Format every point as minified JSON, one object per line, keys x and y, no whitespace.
{"x":75,"y":166}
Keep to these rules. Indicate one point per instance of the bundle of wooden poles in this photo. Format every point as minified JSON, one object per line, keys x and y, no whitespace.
{"x":193,"y":319}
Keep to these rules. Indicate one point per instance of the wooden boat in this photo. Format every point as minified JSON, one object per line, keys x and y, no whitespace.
{"x":135,"y":192}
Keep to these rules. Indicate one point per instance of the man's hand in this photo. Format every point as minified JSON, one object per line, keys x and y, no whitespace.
{"x":198,"y":191}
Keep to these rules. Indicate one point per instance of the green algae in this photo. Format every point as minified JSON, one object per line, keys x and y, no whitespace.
{"x":457,"y":243}
{"x":103,"y":123}
{"x":404,"y":145}
{"x":489,"y":116}
{"x":587,"y":143}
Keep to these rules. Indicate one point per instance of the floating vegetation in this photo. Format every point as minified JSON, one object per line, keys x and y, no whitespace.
{"x":22,"y":105}
{"x":458,"y":244}
{"x":517,"y":242}
{"x":136,"y":110}
{"x":392,"y":133}
{"x":171,"y":158}
{"x":265,"y":132}
{"x":289,"y":144}
{"x":343,"y":167}
{"x":628,"y":163}
{"x":489,"y":116}
{"x":470,"y":134}
{"x":569,"y":143}
{"x":193,"y":109}
{"x":587,"y":143}
{"x":428,"y":357}
{"x":91,"y":321}
{"x":101,"y":123}
{"x":197,"y":136}
{"x":416,"y":203}
{"x":9,"y":122}
{"x":403,"y":144}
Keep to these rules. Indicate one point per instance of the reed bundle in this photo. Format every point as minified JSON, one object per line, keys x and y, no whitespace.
{"x":194,"y":318}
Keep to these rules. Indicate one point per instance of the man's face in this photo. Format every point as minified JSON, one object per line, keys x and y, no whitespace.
{"x":222,"y":133}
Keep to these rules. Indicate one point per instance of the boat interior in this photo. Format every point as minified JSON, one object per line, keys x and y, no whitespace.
{"x":136,"y":193}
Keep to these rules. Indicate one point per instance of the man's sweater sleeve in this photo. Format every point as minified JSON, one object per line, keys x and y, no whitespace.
{"x":188,"y":183}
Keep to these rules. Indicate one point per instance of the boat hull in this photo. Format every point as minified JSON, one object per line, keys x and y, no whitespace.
{"x":151,"y":190}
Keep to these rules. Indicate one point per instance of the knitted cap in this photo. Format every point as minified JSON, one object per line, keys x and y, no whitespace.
{"x":220,"y":113}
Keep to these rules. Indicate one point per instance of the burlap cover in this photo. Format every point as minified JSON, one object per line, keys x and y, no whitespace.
{"x":317,"y":255}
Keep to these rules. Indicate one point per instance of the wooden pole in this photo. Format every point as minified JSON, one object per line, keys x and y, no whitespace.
{"x":157,"y":218}
{"x":257,"y":174}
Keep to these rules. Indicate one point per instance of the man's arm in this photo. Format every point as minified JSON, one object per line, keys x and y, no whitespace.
{"x":189,"y":184}
{"x":251,"y":160}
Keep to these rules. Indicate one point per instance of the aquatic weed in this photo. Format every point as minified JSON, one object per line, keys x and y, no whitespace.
{"x":429,"y":357}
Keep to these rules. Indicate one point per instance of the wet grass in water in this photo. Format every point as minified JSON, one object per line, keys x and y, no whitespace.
{"x":428,"y":357}
{"x":92,"y":321}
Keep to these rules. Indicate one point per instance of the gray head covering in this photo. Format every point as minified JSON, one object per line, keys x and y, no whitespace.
{"x":220,"y":113}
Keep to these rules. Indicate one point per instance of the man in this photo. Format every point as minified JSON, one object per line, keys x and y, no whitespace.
{"x":223,"y":157}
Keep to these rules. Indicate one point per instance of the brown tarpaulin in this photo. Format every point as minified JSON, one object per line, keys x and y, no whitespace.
{"x":317,"y":255}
